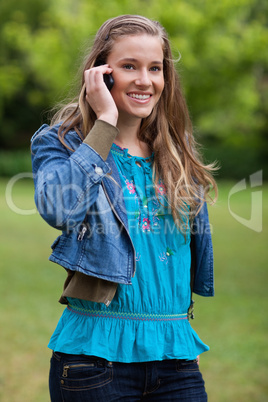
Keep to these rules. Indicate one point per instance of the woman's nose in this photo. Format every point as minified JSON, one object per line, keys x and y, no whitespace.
{"x":143,"y":78}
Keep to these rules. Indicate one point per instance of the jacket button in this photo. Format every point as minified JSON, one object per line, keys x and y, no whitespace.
{"x":98,"y":170}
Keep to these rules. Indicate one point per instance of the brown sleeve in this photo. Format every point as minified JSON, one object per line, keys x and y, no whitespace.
{"x":101,"y":137}
{"x":81,"y":286}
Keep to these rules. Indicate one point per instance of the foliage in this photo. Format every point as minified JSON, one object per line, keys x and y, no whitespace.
{"x":14,"y":162}
{"x":223,"y":66}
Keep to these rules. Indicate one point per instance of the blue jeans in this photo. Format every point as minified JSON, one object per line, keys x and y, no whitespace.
{"x":79,"y":378}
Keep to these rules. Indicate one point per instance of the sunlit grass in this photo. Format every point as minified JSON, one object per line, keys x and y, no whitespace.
{"x":233,"y":323}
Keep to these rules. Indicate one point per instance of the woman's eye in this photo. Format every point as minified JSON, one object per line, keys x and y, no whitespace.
{"x":155,"y":68}
{"x":128,"y":66}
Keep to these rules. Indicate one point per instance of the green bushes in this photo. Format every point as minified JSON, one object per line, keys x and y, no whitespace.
{"x":14,"y":162}
{"x":223,"y":68}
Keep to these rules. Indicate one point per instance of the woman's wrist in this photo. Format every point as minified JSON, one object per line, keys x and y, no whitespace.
{"x":109,"y":118}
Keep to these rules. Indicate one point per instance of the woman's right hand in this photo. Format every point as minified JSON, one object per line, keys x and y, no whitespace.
{"x":98,"y":95}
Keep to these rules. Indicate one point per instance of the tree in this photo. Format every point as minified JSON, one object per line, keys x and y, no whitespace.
{"x":223,"y":67}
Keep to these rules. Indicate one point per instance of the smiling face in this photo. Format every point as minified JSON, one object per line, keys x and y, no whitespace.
{"x":137,"y":63}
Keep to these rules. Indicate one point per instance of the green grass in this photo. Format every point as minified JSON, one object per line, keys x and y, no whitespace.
{"x":233,"y":323}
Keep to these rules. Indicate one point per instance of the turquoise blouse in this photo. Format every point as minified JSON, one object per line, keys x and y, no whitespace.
{"x":146,"y":320}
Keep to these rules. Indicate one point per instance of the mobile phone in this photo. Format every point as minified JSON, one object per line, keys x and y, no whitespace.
{"x":107,"y":78}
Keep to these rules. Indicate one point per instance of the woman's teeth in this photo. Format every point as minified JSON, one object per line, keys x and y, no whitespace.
{"x":136,"y":96}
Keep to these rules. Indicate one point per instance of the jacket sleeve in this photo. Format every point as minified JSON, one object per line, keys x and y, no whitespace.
{"x":66,"y":182}
{"x":202,"y":255}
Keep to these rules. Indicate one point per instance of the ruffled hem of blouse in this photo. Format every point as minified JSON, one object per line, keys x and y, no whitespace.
{"x":121,"y":340}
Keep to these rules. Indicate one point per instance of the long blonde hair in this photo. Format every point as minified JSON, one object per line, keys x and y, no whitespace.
{"x":168,"y":129}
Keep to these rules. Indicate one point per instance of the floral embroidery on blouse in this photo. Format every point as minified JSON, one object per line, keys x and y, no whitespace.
{"x":146,"y":227}
{"x":161,"y":189}
{"x":166,"y":254}
{"x":169,"y":252}
{"x":130,"y":186}
{"x":138,"y":256}
{"x":145,"y":202}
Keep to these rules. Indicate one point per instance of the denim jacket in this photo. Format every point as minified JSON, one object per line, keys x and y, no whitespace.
{"x":80,"y":194}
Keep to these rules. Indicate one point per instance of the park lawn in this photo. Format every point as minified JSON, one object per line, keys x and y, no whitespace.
{"x":233,"y":323}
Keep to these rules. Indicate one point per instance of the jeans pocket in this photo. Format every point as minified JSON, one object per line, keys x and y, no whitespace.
{"x":187,"y":366}
{"x":85,"y":374}
{"x":56,"y":356}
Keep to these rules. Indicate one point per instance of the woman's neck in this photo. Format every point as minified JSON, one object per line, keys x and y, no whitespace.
{"x":128,"y":138}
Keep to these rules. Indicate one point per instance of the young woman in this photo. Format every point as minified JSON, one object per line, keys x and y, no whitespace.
{"x":118,"y":172}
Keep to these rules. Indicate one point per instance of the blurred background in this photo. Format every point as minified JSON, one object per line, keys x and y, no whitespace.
{"x":223,"y":66}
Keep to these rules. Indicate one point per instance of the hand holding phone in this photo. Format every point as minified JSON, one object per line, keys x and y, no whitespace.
{"x":108,"y":78}
{"x":96,"y":95}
